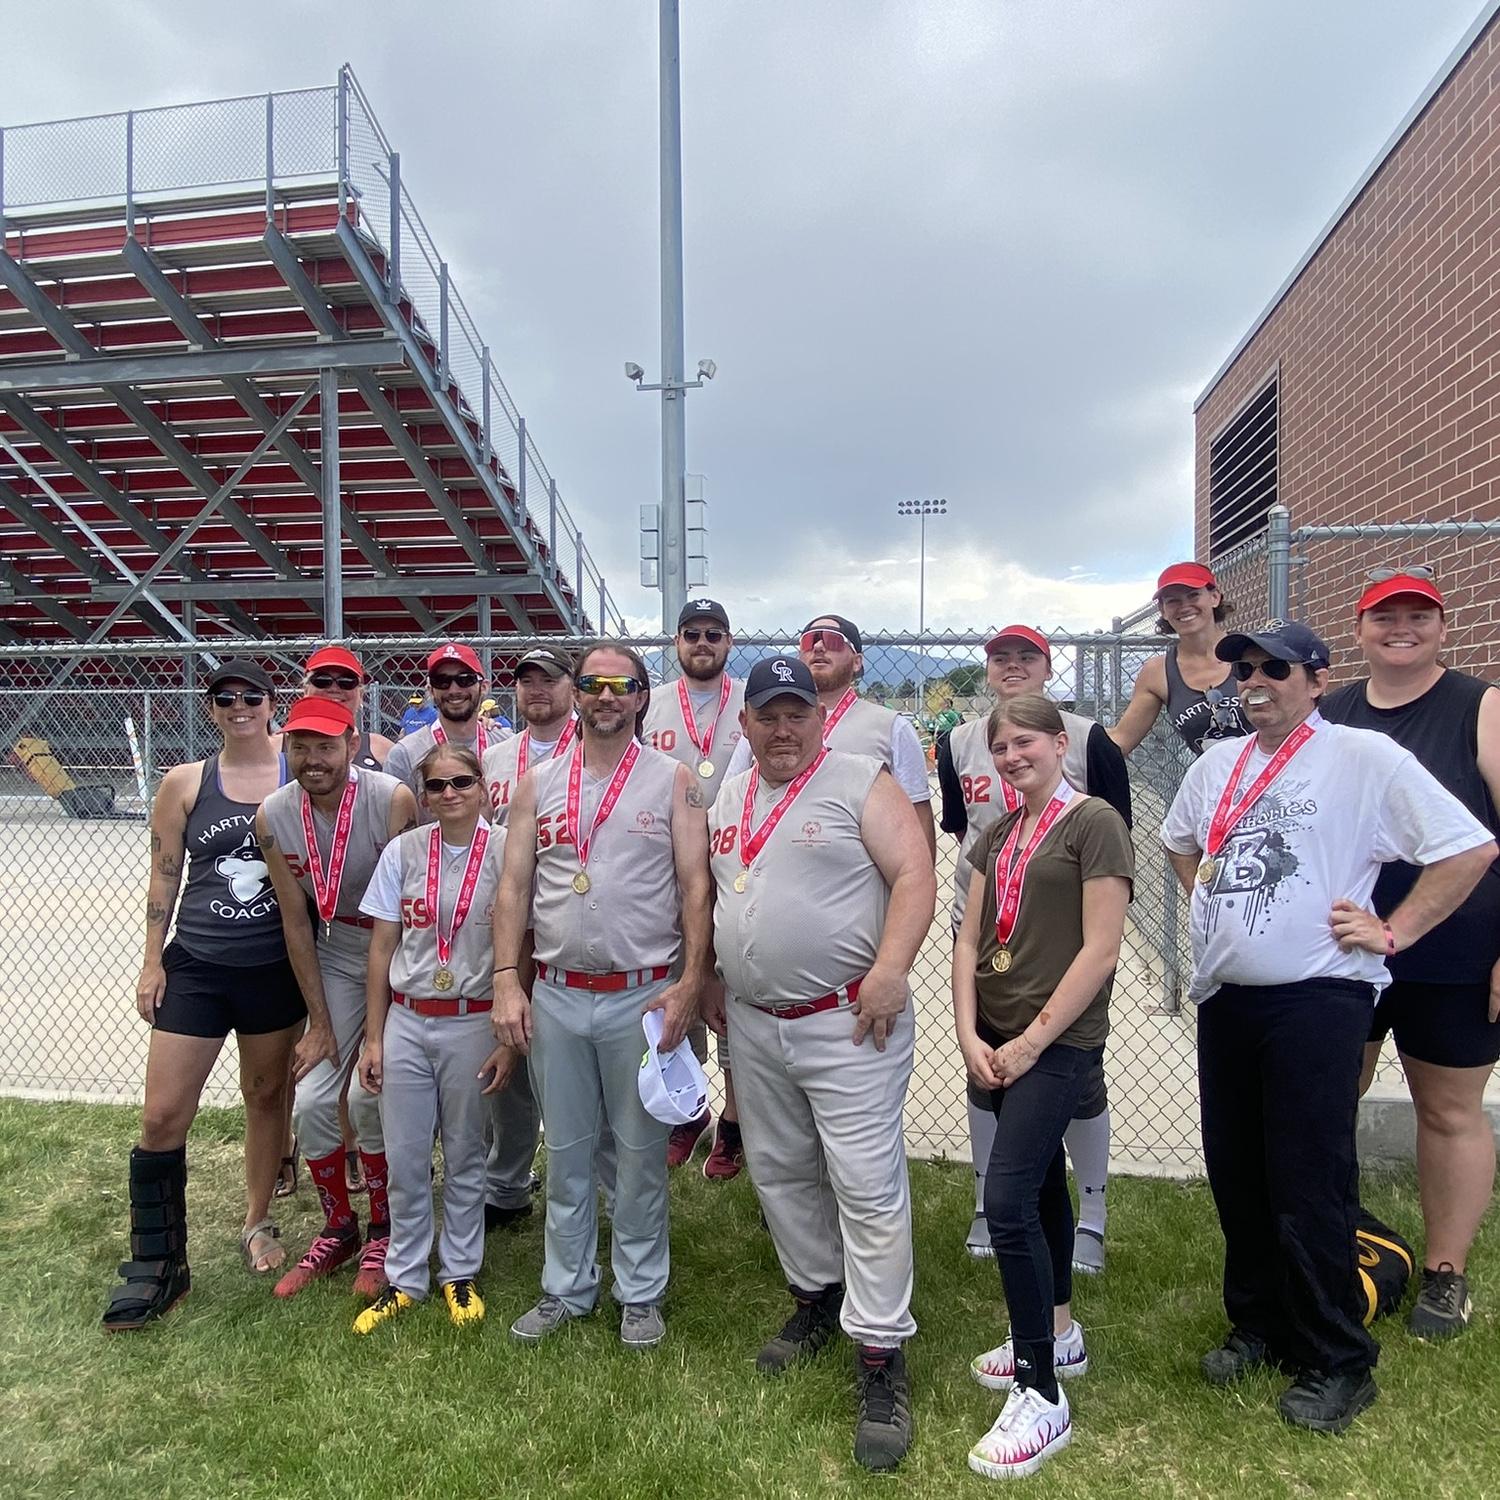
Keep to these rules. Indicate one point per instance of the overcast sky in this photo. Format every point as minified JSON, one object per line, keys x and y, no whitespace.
{"x":988,"y":250}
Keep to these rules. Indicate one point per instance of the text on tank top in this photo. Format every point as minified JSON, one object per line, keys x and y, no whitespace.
{"x":228,"y":913}
{"x":1194,"y":717}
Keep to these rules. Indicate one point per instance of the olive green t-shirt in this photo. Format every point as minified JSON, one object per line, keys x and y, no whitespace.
{"x":1089,"y":842}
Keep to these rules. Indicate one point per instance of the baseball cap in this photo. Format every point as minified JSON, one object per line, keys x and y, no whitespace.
{"x":671,"y":1084}
{"x":1286,"y":640}
{"x":847,"y":628}
{"x":553,"y":660}
{"x":240,"y":669}
{"x":1185,"y":575}
{"x":455,"y":651}
{"x":703,"y":609}
{"x":488,"y":706}
{"x":1021,"y":633}
{"x":334,"y":656}
{"x":1395,"y":586}
{"x":416,"y":699}
{"x":318,"y":716}
{"x":779,"y":677}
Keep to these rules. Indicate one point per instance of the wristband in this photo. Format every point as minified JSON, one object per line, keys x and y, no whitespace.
{"x":1390,"y":940}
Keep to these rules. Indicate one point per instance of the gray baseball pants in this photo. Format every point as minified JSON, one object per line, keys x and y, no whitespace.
{"x":821,"y":1120}
{"x":514,"y":1122}
{"x":431,"y":1082}
{"x":586,"y":1053}
{"x":343,"y":957}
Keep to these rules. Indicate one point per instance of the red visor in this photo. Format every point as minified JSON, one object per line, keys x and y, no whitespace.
{"x":1392,"y":588}
{"x":335,"y":656}
{"x":1185,"y":575}
{"x":318,"y":716}
{"x":1020,"y":633}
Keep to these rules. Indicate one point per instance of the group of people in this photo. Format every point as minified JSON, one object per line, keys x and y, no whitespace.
{"x":466,"y":943}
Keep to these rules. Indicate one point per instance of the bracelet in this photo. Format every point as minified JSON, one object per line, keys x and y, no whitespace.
{"x":508,"y":969}
{"x":1390,"y":940}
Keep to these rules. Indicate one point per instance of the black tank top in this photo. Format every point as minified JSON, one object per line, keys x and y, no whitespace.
{"x":367,"y":762}
{"x":1202,"y":718}
{"x":228,"y":913}
{"x":1441,"y":728}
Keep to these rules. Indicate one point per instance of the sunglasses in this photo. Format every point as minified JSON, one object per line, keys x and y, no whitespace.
{"x":591,"y":684}
{"x":458,"y":679}
{"x":434,"y":785}
{"x":1276,"y":670}
{"x":250,"y":697}
{"x":692,"y":635}
{"x":347,"y":681}
{"x":830,"y":640}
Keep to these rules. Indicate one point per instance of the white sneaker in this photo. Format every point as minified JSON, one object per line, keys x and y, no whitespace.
{"x":1025,"y":1435}
{"x":978,"y":1243}
{"x":996,"y":1369}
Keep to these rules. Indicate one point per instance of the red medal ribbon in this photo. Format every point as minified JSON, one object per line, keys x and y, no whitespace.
{"x":606,"y":806}
{"x":326,"y":890}
{"x":690,"y":722}
{"x":562,"y":744}
{"x":465,"y":889}
{"x":839,"y":710}
{"x":752,"y":843}
{"x":1010,"y":794}
{"x":439,"y":738}
{"x":1229,"y":812}
{"x":1008,"y":886}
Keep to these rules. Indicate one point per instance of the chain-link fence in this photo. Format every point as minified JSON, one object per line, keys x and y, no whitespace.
{"x":83,"y":761}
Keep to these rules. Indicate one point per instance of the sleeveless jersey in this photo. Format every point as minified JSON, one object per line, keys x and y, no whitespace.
{"x":365,"y":761}
{"x":1441,"y":728}
{"x":228,"y":913}
{"x":865,"y":729}
{"x":1191,"y":714}
{"x":411,"y":749}
{"x":472,"y":960}
{"x":984,"y":796}
{"x":810,"y":920}
{"x":664,"y":730}
{"x":499,"y":766}
{"x":631,"y":915}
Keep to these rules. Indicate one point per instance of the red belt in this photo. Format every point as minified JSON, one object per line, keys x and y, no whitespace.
{"x":367,"y":923}
{"x":446,"y":1007}
{"x":629,"y":979}
{"x":834,"y":1001}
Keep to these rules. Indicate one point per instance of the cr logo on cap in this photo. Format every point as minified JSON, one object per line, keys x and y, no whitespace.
{"x":782,"y":671}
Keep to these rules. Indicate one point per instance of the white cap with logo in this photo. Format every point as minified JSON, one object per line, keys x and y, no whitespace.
{"x":672,"y":1085}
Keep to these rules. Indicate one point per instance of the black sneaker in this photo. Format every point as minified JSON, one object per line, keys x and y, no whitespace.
{"x":815,"y":1321}
{"x":505,"y":1218}
{"x":1235,"y":1358}
{"x":883,"y":1433}
{"x":1327,"y":1403}
{"x":1442,"y":1307}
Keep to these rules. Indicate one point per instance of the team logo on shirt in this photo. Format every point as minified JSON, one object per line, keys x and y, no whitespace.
{"x":1258,"y":863}
{"x":645,"y":823}
{"x":812,"y":834}
{"x":244,"y":871}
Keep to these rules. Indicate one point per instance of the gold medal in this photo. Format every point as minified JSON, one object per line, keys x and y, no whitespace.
{"x":741,"y":881}
{"x":581,"y":882}
{"x":1207,"y":870}
{"x":442,"y":981}
{"x":705,"y":769}
{"x":1002,"y":960}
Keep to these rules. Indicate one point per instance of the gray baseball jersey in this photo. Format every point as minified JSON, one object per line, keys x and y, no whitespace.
{"x":810,"y":920}
{"x":503,"y":769}
{"x":985,"y":793}
{"x":409,"y":751}
{"x":631,"y":915}
{"x":665,"y":728}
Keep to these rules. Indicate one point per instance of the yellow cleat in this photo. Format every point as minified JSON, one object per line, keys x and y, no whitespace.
{"x":465,"y":1305}
{"x":385,"y":1307}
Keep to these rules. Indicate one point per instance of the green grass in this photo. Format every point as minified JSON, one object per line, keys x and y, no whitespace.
{"x":237,"y":1395}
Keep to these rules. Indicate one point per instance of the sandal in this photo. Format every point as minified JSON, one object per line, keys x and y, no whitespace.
{"x":286,"y":1176}
{"x":354,"y":1173}
{"x":268,"y":1257}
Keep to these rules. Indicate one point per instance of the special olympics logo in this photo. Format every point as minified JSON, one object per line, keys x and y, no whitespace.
{"x":645,"y":820}
{"x":812,"y":828}
{"x":782,"y":671}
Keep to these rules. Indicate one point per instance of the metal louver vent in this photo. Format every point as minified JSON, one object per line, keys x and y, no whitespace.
{"x":1242,"y":473}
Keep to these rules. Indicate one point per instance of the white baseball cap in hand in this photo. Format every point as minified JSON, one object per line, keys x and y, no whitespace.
{"x":672,"y":1085}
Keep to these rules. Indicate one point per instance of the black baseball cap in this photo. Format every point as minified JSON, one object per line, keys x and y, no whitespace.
{"x":703,"y":609}
{"x":553,"y":660}
{"x":847,"y":628}
{"x":779,"y":677}
{"x":240,"y":669}
{"x":1286,"y":640}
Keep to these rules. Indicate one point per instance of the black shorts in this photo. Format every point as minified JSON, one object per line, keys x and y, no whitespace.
{"x":1447,"y":1025}
{"x":204,"y":999}
{"x":1092,"y":1102}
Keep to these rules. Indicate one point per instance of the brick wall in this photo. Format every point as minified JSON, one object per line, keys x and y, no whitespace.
{"x":1390,"y":374}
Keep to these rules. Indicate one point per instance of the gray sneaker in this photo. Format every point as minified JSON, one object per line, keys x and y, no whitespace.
{"x":1442,"y":1308}
{"x":1088,"y":1251}
{"x":642,"y":1325}
{"x":546,"y":1317}
{"x":978,"y":1243}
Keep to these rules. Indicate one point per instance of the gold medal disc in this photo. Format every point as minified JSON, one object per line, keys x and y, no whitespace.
{"x":442,"y":981}
{"x":741,"y":881}
{"x":1207,"y":870}
{"x":1002,"y":960}
{"x":581,"y":882}
{"x":705,"y":769}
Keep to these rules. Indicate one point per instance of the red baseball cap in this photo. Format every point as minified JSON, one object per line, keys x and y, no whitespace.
{"x":335,"y":656}
{"x":1400,"y":583}
{"x":1021,"y":633}
{"x":455,"y":651}
{"x":1185,"y":575}
{"x":318,"y":716}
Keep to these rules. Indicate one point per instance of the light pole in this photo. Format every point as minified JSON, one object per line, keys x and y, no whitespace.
{"x":921,"y":509}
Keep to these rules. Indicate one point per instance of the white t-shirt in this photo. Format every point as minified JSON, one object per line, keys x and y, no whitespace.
{"x":904,"y":757}
{"x":1349,"y":800}
{"x":382,"y":898}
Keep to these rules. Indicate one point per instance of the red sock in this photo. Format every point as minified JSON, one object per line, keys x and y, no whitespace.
{"x":328,"y":1177}
{"x":375,"y":1179}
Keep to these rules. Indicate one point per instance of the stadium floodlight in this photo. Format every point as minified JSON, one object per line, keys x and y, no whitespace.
{"x":707,"y":369}
{"x":634,"y":372}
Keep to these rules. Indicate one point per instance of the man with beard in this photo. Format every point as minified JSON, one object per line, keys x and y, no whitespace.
{"x":696,"y":720}
{"x":456,"y":677}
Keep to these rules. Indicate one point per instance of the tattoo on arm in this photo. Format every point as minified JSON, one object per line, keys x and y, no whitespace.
{"x":268,"y":841}
{"x":695,"y":797}
{"x":156,"y":914}
{"x":155,"y":843}
{"x":170,"y":865}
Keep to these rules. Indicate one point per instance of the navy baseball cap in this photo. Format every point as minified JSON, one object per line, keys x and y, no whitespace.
{"x":703,"y":609}
{"x":240,"y":669}
{"x":847,"y":628}
{"x":1286,"y":640}
{"x":779,"y":677}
